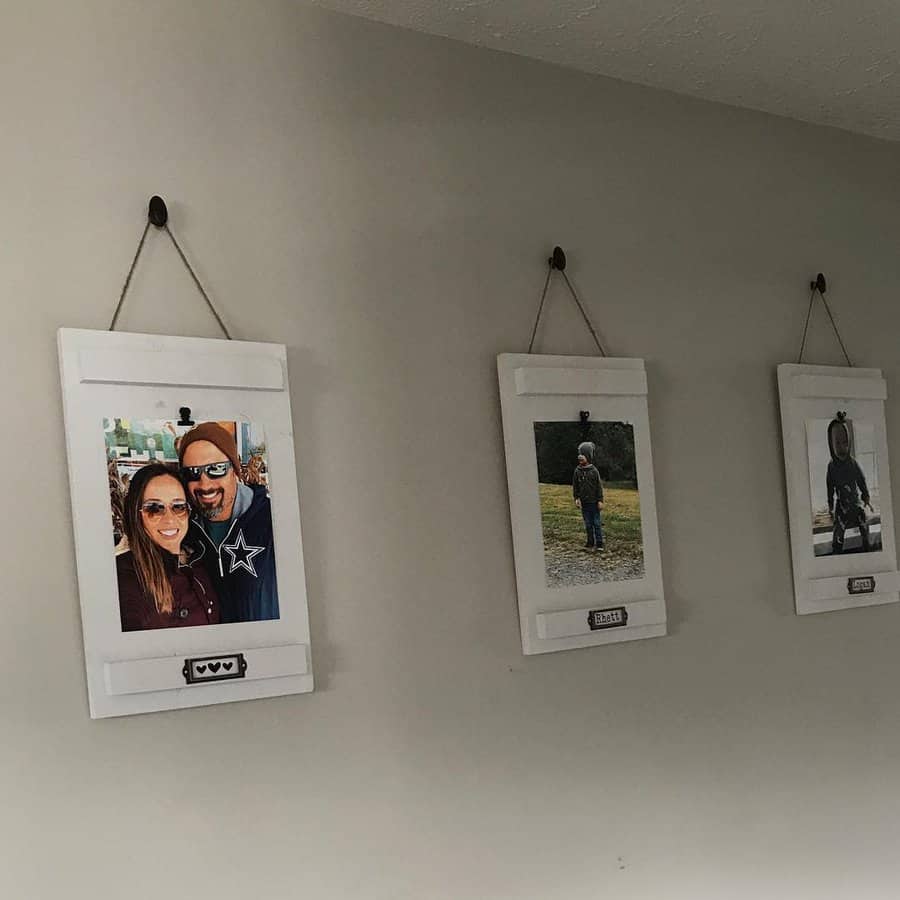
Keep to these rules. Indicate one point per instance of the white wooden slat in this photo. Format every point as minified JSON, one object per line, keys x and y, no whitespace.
{"x":839,"y":386}
{"x":570,"y":622}
{"x":138,"y":676}
{"x":574,"y":382}
{"x":168,"y":367}
{"x":834,"y":588}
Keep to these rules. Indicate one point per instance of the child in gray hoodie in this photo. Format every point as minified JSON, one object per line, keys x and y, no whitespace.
{"x":588,"y":492}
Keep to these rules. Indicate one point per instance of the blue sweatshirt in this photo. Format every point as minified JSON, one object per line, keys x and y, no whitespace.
{"x":242,"y":564}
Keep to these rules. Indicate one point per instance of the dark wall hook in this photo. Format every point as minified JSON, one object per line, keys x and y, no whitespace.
{"x":185,"y":413}
{"x":558,"y":260}
{"x":157,"y":212}
{"x":819,"y":284}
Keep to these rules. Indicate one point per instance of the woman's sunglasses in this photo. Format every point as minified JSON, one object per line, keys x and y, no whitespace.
{"x":153,"y":509}
{"x":212,"y":470}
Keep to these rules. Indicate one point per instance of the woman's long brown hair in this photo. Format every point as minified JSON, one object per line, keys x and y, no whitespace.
{"x":148,"y":559}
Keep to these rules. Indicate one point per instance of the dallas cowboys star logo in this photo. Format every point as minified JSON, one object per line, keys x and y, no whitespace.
{"x":242,"y":554}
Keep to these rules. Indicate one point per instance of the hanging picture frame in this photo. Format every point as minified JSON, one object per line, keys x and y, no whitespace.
{"x":562,"y":418}
{"x":185,"y":518}
{"x":838,"y":487}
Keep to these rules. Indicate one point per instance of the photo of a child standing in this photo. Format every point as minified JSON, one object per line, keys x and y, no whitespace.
{"x":590,"y":502}
{"x":843,"y":475}
{"x":587,"y":488}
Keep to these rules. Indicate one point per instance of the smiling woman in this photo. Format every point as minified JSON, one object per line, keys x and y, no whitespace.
{"x":162,"y":580}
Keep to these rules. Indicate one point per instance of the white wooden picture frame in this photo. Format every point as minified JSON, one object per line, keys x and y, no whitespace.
{"x":151,"y":377}
{"x":557,"y":389}
{"x":826,"y":578}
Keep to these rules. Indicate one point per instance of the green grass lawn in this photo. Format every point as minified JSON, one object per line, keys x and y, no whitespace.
{"x":564,"y":527}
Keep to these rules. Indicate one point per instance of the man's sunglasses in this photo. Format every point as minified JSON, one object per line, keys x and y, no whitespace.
{"x":153,"y":509}
{"x":212,"y":470}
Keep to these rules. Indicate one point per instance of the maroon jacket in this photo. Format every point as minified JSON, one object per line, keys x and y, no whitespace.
{"x":195,"y":600}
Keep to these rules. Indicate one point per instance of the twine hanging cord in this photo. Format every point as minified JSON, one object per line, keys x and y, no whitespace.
{"x":578,"y":303}
{"x":812,"y":297}
{"x":209,"y":303}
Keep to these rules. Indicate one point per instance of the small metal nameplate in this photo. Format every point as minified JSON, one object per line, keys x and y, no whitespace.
{"x":865,"y":585}
{"x":203,"y":669}
{"x":617,"y":617}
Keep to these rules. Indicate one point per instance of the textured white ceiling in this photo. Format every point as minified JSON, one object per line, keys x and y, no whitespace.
{"x":833,"y":62}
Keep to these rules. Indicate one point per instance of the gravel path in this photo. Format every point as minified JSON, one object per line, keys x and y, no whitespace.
{"x":566,"y":568}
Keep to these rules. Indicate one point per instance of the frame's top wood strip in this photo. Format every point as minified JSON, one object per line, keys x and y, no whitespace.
{"x":168,"y":367}
{"x":576,"y":382}
{"x":839,"y":386}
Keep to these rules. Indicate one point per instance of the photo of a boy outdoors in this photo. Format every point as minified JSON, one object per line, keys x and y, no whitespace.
{"x":587,"y":490}
{"x":843,"y":482}
{"x":590,"y":502}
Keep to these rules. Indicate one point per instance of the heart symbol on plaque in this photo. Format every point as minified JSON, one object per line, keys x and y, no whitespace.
{"x":227,"y":666}
{"x":214,"y":667}
{"x":201,"y":669}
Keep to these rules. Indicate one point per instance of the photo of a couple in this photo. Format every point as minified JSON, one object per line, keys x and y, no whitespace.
{"x":191,"y":522}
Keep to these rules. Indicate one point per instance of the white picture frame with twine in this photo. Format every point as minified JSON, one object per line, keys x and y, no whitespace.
{"x":537,"y":390}
{"x":812,"y":399}
{"x":106,"y":373}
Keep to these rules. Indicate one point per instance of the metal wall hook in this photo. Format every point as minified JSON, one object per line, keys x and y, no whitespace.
{"x":157,"y":212}
{"x":184,"y":413}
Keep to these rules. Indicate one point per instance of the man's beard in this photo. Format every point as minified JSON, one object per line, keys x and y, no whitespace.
{"x":210,"y":512}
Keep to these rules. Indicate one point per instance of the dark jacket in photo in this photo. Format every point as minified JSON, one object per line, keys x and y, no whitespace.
{"x":242,"y":564}
{"x":586,"y":485}
{"x":195,"y":600}
{"x":847,"y":489}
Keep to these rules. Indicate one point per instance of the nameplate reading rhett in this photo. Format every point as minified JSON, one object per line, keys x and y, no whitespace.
{"x":616,"y":617}
{"x":864,"y":585}
{"x":203,"y":669}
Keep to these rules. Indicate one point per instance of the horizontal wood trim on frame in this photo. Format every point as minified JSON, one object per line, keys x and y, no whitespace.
{"x":840,"y":387}
{"x":571,"y":622}
{"x":561,"y":382}
{"x":139,"y":676}
{"x":169,"y":367}
{"x":821,"y":589}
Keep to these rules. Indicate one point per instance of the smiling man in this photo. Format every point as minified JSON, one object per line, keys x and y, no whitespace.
{"x":235,"y":522}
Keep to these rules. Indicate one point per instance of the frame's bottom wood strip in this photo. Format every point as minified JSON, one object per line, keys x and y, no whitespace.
{"x":572,"y":622}
{"x":840,"y":587}
{"x":139,"y":676}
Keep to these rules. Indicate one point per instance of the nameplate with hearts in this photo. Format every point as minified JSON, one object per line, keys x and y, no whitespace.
{"x":203,"y":669}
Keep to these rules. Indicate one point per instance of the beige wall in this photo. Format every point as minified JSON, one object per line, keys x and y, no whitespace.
{"x":383,"y":203}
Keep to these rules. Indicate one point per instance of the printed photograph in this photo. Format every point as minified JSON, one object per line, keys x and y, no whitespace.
{"x":191,"y":523}
{"x":590,"y":503}
{"x":843,"y":486}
